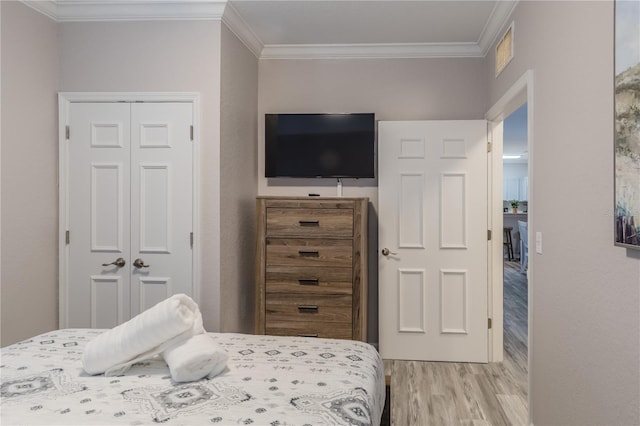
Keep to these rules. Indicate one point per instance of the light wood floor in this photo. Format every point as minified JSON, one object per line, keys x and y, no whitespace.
{"x":440,"y":393}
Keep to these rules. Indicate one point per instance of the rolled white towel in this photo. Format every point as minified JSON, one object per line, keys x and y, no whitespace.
{"x":144,"y":336}
{"x":195,"y":358}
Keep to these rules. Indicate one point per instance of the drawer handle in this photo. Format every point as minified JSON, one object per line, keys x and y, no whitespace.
{"x":308,"y":309}
{"x":308,"y":335}
{"x":313,"y":281}
{"x":309,"y":222}
{"x":309,"y":253}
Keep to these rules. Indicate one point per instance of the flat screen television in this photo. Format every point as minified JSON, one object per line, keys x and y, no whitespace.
{"x":320,"y":145}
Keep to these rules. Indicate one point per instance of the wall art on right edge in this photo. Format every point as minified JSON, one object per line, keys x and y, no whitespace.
{"x":627,"y":123}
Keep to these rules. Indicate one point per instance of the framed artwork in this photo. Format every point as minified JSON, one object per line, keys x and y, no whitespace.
{"x":627,"y":123}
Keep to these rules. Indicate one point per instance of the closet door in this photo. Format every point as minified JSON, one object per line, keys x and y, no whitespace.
{"x":99,"y":215}
{"x":161,"y":202}
{"x":130,"y":192}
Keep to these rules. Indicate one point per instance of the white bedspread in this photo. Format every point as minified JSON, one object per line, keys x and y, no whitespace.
{"x":273,"y":381}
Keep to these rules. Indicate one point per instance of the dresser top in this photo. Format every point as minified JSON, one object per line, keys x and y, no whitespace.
{"x":275,"y":197}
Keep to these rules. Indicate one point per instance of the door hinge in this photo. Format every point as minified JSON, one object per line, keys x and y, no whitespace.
{"x":191,"y":132}
{"x":67,"y":132}
{"x":489,"y":146}
{"x":67,"y":237}
{"x":191,"y":239}
{"x":489,"y":234}
{"x":490,"y":323}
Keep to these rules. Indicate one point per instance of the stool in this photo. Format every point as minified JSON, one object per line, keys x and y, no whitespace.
{"x":508,"y":243}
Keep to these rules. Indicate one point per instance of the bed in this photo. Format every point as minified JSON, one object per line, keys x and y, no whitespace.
{"x":270,"y":380}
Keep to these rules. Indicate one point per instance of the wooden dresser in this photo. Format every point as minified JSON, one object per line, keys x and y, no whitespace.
{"x":311,"y":267}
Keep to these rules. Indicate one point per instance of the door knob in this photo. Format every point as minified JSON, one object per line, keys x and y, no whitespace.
{"x":119,"y":262}
{"x":386,"y":252}
{"x":139,"y":263}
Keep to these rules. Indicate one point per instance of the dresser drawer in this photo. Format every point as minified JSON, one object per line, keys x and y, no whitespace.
{"x":283,"y":222}
{"x":308,"y":252}
{"x":310,"y":329}
{"x":294,"y":308}
{"x":309,"y":280}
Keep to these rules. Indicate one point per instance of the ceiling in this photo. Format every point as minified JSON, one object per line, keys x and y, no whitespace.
{"x":340,"y":22}
{"x":409,"y":28}
{"x":321,"y":28}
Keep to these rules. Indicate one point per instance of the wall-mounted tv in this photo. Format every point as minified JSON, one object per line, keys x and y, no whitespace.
{"x":320,"y":145}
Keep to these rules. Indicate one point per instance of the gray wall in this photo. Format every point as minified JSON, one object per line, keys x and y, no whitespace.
{"x":586,"y":292}
{"x":29,"y":173}
{"x":122,"y":56}
{"x":238,"y":182}
{"x":398,"y":89}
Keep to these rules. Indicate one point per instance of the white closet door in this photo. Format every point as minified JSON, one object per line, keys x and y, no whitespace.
{"x":161,"y":202}
{"x":99,"y":206}
{"x":130,"y":192}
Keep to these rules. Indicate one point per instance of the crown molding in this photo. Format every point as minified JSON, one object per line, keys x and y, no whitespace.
{"x":498,"y":20}
{"x":46,"y":7}
{"x":372,"y":51}
{"x":241,"y":29}
{"x":152,"y":10}
{"x":129,"y":10}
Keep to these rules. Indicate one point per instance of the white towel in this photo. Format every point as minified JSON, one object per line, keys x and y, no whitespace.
{"x":195,"y":358}
{"x":144,"y":336}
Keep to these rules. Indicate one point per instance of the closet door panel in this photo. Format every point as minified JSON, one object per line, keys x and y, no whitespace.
{"x":161,"y":201}
{"x":99,"y":206}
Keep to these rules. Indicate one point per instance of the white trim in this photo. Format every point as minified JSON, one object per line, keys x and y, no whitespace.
{"x":495,"y":267}
{"x":187,"y":97}
{"x":65,"y":99}
{"x":197,"y":259}
{"x":241,"y":29}
{"x":46,"y":7}
{"x":515,"y":96}
{"x":371,"y":51}
{"x":129,"y":10}
{"x":63,"y":206}
{"x":521,"y":91}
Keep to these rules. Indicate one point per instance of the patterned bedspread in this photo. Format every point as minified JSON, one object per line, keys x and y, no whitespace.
{"x":273,"y":381}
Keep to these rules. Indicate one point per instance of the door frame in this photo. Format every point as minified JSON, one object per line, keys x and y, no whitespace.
{"x":520,"y":92}
{"x":65,"y":99}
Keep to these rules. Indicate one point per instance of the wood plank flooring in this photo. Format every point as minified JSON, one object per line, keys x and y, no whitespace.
{"x":441,"y":393}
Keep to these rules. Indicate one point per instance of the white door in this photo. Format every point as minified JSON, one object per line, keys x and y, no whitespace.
{"x":130,"y":203}
{"x":433,"y":240}
{"x":99,"y":219}
{"x":161,"y":202}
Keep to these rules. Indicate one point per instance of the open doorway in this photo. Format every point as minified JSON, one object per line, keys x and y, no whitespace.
{"x":510,"y":342}
{"x":515,"y":184}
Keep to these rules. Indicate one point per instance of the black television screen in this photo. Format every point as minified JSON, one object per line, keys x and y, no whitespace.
{"x":320,"y":145}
